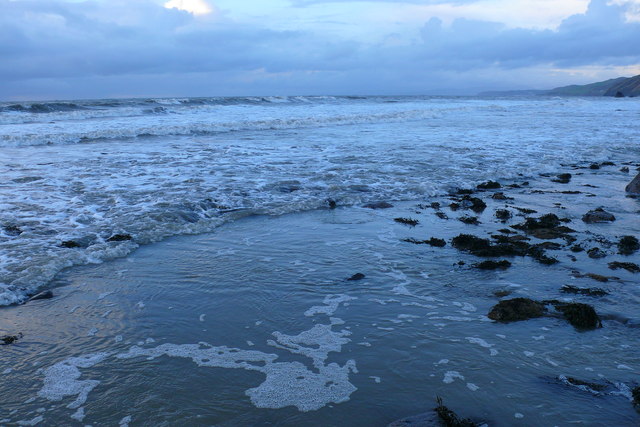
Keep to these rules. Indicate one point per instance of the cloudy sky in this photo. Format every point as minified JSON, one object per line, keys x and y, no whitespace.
{"x":65,"y":49}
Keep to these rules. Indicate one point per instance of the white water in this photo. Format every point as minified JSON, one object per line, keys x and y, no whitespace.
{"x":88,"y":170}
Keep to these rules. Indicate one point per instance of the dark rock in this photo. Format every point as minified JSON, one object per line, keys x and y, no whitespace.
{"x":577,"y":248}
{"x":70,"y":244}
{"x":629,"y":266}
{"x":473,"y":203}
{"x":432,"y":241}
{"x":500,"y":196}
{"x":525,"y":211}
{"x":563,"y":178}
{"x":607,"y":163}
{"x":591,"y":387}
{"x":462,"y":191}
{"x":516,"y":309}
{"x":449,"y":418}
{"x":12,"y":230}
{"x":635,"y":393}
{"x":332,"y":203}
{"x":594,"y":166}
{"x":484,"y":248}
{"x":119,"y":238}
{"x":503,"y":214}
{"x":628,"y":245}
{"x":378,"y":205}
{"x":407,"y":221}
{"x":357,"y":276}
{"x":624,"y":169}
{"x":596,"y":253}
{"x":454,"y":206}
{"x":42,"y":295}
{"x":472,"y":220}
{"x":581,"y":316}
{"x":493,"y":265}
{"x":598,"y":215}
{"x":442,"y":215}
{"x":10,"y":339}
{"x":506,"y":231}
{"x":489,"y":185}
{"x":537,"y":253}
{"x":592,"y":292}
{"x":435,"y":205}
{"x":618,"y":95}
{"x":501,"y":293}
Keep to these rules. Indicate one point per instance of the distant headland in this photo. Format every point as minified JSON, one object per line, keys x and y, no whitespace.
{"x":619,"y":87}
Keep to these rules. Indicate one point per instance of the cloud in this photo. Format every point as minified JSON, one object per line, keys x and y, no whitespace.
{"x":195,"y":7}
{"x":56,"y":48}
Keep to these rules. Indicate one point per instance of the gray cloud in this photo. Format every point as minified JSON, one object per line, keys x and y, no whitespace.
{"x":52,"y":48}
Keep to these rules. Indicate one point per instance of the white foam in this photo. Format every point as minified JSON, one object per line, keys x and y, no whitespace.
{"x":472,"y":387}
{"x":451,"y":376}
{"x":34,"y":422}
{"x":331,"y":304}
{"x":79,"y":414}
{"x":124,"y":422}
{"x":61,"y":379}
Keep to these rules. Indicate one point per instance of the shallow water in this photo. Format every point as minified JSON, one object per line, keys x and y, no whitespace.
{"x":87,"y":171}
{"x":375,"y":350}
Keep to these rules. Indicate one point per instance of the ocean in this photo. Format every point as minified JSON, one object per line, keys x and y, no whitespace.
{"x":198,"y":250}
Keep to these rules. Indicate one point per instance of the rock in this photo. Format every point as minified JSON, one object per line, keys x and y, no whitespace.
{"x":12,"y":230}
{"x":70,"y":244}
{"x":378,"y":205}
{"x":462,"y":191}
{"x":432,"y":241}
{"x":472,"y":220}
{"x":596,"y":253}
{"x":42,"y":295}
{"x":489,"y":185}
{"x":119,"y":238}
{"x":577,"y":248}
{"x":563,"y":178}
{"x":618,"y":95}
{"x":516,"y":309}
{"x":442,"y":215}
{"x":592,"y":292}
{"x":450,"y":419}
{"x":598,"y":215}
{"x":503,"y":214}
{"x":407,"y":221}
{"x":591,"y":387}
{"x":493,"y":265}
{"x":581,"y":316}
{"x":10,"y":339}
{"x":332,"y":203}
{"x":629,"y":266}
{"x":500,"y":196}
{"x":598,"y":277}
{"x":624,"y":169}
{"x":594,"y":166}
{"x":473,"y":203}
{"x":635,"y":393}
{"x":357,"y":276}
{"x":628,"y":245}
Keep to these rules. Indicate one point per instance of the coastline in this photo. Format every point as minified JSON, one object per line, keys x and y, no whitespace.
{"x":417,"y":310}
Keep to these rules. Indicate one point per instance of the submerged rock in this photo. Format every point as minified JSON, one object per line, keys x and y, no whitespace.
{"x":592,"y":292}
{"x":581,"y":316}
{"x":629,"y":266}
{"x":428,"y":419}
{"x":563,"y":178}
{"x":635,"y":394}
{"x":357,"y":276}
{"x":10,"y":339}
{"x":378,"y":205}
{"x":500,"y":196}
{"x":442,"y":215}
{"x":598,"y":215}
{"x":516,"y":309}
{"x":434,"y":241}
{"x":407,"y":221}
{"x":12,"y":230}
{"x":596,"y":253}
{"x":628,"y":245}
{"x":119,"y":238}
{"x":545,"y":227}
{"x":471,"y":220}
{"x":503,"y":214}
{"x":493,"y":265}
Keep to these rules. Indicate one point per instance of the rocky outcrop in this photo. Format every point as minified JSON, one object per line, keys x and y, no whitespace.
{"x":634,"y":185}
{"x":626,"y":87}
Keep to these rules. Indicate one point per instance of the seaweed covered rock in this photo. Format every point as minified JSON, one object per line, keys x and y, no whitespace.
{"x":450,"y":418}
{"x":545,"y":227}
{"x":489,"y":185}
{"x":628,"y":245}
{"x":516,"y":309}
{"x":629,"y":266}
{"x":562,"y":178}
{"x":10,"y":339}
{"x":592,"y":292}
{"x":503,"y":214}
{"x":407,"y":221}
{"x":598,"y":215}
{"x":596,"y":253}
{"x":434,"y":241}
{"x":378,"y":205}
{"x":474,"y":203}
{"x":119,"y":238}
{"x":581,"y":316}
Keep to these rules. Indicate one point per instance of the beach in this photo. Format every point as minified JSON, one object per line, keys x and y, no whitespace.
{"x":292,"y":273}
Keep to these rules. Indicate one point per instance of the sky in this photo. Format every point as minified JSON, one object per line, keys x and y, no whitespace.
{"x":79,"y":49}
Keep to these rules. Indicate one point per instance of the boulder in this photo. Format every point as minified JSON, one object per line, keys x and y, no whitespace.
{"x":378,"y":205}
{"x":357,"y":276}
{"x":634,"y":185}
{"x":516,"y":309}
{"x":581,"y":316}
{"x":628,"y":245}
{"x":598,"y":215}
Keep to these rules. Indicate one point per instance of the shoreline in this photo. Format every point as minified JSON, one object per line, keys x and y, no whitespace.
{"x":113,"y":307}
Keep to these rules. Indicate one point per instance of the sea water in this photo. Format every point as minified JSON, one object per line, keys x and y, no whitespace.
{"x":252,"y":321}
